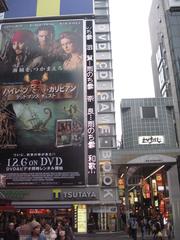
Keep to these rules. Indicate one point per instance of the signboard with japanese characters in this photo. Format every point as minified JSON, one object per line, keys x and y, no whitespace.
{"x":91,"y":119}
{"x":149,"y":140}
{"x":42,"y":107}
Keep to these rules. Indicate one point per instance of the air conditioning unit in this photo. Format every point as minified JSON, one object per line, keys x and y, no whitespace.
{"x":3,"y":6}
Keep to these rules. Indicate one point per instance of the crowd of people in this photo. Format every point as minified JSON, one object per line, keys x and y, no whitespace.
{"x":43,"y":230}
{"x":154,"y":227}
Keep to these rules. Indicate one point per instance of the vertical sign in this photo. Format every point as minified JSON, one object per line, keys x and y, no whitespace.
{"x":91,"y":121}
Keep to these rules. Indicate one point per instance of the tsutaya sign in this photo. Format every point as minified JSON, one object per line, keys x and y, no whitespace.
{"x":149,"y":140}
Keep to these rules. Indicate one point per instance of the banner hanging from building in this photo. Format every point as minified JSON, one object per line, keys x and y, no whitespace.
{"x":42,"y":121}
{"x":48,"y":8}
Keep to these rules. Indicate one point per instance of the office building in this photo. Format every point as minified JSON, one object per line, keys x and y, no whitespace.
{"x":164,"y":32}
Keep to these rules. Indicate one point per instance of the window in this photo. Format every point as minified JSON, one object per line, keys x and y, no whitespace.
{"x":148,"y":112}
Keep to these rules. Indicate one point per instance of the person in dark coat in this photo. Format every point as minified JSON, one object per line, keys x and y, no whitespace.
{"x":11,"y":233}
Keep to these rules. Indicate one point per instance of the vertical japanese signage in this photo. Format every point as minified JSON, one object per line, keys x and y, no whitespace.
{"x":91,"y":120}
{"x":42,"y":103}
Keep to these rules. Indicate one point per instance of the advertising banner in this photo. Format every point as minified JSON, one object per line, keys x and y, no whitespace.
{"x":91,"y":114}
{"x":48,"y":8}
{"x":42,"y":139}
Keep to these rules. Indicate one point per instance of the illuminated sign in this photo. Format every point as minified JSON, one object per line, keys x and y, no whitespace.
{"x":150,"y":140}
{"x":82,"y":219}
{"x":61,"y":194}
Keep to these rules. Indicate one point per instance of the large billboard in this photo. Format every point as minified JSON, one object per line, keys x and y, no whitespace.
{"x":48,"y":8}
{"x":42,"y":87}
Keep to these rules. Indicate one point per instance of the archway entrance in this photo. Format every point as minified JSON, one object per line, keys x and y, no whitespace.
{"x":143,"y":186}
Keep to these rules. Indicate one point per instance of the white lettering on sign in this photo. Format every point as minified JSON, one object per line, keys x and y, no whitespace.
{"x":106,"y":154}
{"x":104,"y":75}
{"x":103,"y":37}
{"x":103,"y":65}
{"x":104,"y":107}
{"x":69,"y":195}
{"x":105,"y":129}
{"x":104,"y":96}
{"x":108,"y":193}
{"x":107,"y":180}
{"x":149,"y":140}
{"x":102,"y":46}
{"x":107,"y":167}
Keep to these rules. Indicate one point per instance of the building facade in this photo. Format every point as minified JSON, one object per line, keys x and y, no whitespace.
{"x":146,"y":162}
{"x":164,"y":33}
{"x":56,"y":159}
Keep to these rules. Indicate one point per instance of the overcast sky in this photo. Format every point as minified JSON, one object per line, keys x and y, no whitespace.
{"x":131,"y":51}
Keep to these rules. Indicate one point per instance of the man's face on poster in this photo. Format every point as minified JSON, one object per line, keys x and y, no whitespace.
{"x":18,"y":47}
{"x":44,"y":38}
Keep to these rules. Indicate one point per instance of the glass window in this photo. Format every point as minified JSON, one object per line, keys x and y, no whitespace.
{"x":148,"y":112}
{"x":161,"y":77}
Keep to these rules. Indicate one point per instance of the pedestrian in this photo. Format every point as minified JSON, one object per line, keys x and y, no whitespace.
{"x":11,"y":233}
{"x":49,"y":232}
{"x":157,"y":228}
{"x":60,"y":231}
{"x":169,"y":230}
{"x":24,"y":229}
{"x":36,"y":231}
{"x":68,"y":229}
{"x":143,"y":228}
{"x":133,"y":224}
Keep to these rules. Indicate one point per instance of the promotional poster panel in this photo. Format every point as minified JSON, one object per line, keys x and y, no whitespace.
{"x":42,"y":103}
{"x":45,"y":8}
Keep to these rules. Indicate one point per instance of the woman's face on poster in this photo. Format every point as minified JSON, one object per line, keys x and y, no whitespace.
{"x":67,"y":45}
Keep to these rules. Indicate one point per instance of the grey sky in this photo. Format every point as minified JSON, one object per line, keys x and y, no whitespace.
{"x":131,"y":51}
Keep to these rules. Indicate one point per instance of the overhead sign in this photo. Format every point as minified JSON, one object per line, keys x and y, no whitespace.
{"x":150,"y":140}
{"x":74,"y":194}
{"x":48,"y":8}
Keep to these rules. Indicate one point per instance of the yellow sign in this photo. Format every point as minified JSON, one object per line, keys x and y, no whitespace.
{"x":82,"y":219}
